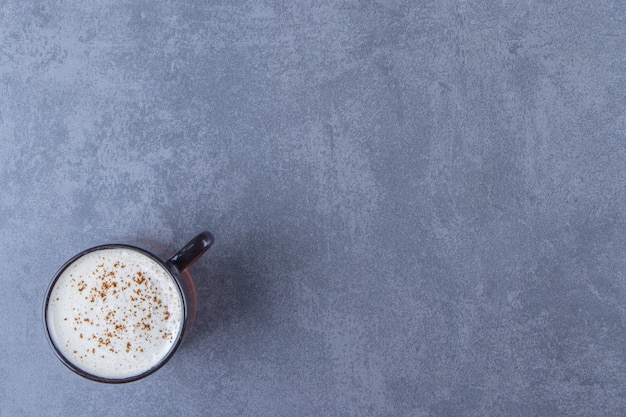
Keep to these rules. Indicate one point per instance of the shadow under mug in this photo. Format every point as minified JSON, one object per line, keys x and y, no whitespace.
{"x":176,"y":268}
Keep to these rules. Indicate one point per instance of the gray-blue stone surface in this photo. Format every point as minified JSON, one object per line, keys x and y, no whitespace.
{"x":419,"y":207}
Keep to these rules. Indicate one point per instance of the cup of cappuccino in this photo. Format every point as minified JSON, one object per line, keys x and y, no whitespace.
{"x":117,"y":313}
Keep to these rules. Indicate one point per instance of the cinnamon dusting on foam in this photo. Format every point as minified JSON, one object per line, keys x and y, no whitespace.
{"x":125,"y":313}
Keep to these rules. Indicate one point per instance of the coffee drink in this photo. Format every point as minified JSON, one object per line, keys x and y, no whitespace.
{"x":115,"y":313}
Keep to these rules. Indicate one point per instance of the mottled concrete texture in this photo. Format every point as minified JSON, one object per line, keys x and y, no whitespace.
{"x":420,"y":207}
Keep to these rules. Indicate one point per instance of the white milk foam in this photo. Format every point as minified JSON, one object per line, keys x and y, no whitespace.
{"x":115,"y":313}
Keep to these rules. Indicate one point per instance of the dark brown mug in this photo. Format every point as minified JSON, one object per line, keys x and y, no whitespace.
{"x":111,"y":311}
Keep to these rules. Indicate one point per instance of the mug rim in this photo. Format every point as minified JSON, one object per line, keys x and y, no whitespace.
{"x":170,"y":271}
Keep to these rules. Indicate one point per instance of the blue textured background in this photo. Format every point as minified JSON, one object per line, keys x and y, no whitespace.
{"x":420,"y":207}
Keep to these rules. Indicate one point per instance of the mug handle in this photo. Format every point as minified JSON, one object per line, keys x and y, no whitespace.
{"x":191,"y":252}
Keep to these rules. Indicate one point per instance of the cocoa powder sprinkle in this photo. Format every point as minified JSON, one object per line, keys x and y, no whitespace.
{"x":112,"y":331}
